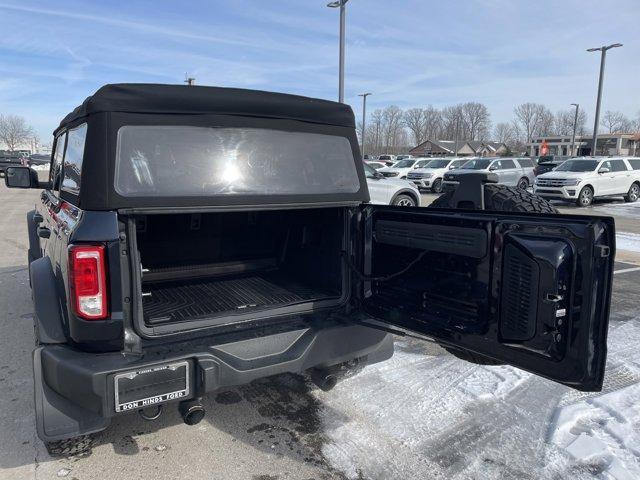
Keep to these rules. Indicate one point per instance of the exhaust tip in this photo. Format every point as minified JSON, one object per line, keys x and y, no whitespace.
{"x":192,"y":411}
{"x":325,"y":380}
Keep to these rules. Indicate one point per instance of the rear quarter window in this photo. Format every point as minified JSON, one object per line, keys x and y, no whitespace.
{"x":525,"y":162}
{"x":635,"y":164}
{"x":73,"y":159}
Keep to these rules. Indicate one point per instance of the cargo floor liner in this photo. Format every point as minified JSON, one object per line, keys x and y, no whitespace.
{"x":180,"y":301}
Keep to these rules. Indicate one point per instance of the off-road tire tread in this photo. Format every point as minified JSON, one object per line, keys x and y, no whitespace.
{"x":502,"y":198}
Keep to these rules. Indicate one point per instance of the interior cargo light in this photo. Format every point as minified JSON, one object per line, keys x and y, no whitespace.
{"x":87,"y":279}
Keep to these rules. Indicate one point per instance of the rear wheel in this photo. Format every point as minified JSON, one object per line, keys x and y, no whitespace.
{"x":503,"y":199}
{"x":633,"y":194}
{"x":403,"y":200}
{"x":585,"y":197}
{"x":437,"y":186}
{"x":523,"y":183}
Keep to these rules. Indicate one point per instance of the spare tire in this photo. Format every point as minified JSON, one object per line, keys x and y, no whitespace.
{"x":502,"y":199}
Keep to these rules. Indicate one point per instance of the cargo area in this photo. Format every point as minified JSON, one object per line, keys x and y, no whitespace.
{"x":217,"y":265}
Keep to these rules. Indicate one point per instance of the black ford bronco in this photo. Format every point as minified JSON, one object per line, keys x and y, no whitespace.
{"x":190,"y":239}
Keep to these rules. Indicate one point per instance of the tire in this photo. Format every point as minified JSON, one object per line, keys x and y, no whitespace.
{"x":504,"y":199}
{"x":523,"y":183}
{"x":633,"y":194}
{"x":403,"y":200}
{"x":437,"y":186}
{"x":585,"y":197}
{"x":70,"y":446}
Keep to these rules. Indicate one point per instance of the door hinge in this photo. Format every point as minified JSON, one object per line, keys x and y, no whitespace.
{"x":605,"y":251}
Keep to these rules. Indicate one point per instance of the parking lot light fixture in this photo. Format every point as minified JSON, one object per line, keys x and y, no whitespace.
{"x":575,"y":124}
{"x":364,"y":117}
{"x":603,"y":56}
{"x":340,"y":4}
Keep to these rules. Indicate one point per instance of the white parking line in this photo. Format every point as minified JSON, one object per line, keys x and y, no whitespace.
{"x":626,"y":270}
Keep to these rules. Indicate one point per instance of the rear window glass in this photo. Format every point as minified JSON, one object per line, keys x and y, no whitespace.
{"x":73,"y":159}
{"x":192,"y":161}
{"x":618,"y":166}
{"x":505,"y":164}
{"x":635,"y":164}
{"x":525,"y":162}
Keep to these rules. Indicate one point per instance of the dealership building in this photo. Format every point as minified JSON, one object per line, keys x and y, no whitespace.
{"x":608,"y":144}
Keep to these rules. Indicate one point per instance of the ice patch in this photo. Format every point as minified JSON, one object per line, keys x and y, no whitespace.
{"x":628,"y":241}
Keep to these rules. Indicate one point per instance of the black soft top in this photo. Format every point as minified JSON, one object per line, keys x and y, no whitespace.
{"x":184,"y":99}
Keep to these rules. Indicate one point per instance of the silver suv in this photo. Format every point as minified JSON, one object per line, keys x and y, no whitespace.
{"x":514,"y":172}
{"x":431,"y":175}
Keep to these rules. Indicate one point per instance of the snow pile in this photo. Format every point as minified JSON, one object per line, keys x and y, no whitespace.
{"x":40,"y":168}
{"x":628,"y":241}
{"x":602,"y":433}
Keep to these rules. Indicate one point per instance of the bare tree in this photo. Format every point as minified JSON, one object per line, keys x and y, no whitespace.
{"x":432,"y":123}
{"x":505,"y":133}
{"x":452,"y":123}
{"x":564,"y":122}
{"x":392,"y":123}
{"x":414,"y":120}
{"x":533,"y":119}
{"x":546,"y":125}
{"x":476,"y":120}
{"x":616,"y":122}
{"x":14,"y":131}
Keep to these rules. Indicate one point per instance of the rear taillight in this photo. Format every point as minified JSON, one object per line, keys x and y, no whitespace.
{"x":87,"y":280}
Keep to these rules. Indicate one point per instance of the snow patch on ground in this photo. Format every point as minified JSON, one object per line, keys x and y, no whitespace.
{"x":620,"y":208}
{"x":426,"y":414}
{"x":602,"y":432}
{"x":628,"y":241}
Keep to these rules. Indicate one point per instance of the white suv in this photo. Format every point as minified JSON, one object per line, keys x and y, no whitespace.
{"x":390,"y":191}
{"x":583,"y":179}
{"x":403,"y":167}
{"x":431,"y":175}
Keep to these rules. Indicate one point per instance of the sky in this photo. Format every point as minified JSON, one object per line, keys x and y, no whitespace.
{"x":411,"y":53}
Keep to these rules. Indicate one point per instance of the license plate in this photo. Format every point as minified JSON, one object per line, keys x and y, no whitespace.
{"x":151,"y":386}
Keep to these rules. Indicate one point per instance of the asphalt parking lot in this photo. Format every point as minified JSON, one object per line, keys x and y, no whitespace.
{"x":282,"y":428}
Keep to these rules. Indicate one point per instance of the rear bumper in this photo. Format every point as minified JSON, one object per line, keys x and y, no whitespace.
{"x":74,"y":390}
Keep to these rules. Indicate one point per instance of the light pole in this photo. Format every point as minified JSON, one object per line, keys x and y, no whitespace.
{"x":603,"y":56}
{"x":575,"y":124}
{"x":364,"y":117}
{"x":341,"y":4}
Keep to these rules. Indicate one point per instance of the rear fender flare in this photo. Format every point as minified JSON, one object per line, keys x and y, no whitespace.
{"x":405,"y":191}
{"x":47,"y":314}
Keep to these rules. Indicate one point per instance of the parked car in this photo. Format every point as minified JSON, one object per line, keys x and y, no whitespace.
{"x":582,"y":179}
{"x":156,"y":282}
{"x":403,"y":157}
{"x":390,"y":191}
{"x":514,"y":172}
{"x":546,"y":163}
{"x":387,"y":159}
{"x":375,"y":165}
{"x":10,"y":160}
{"x":431,"y":175}
{"x":401,"y":168}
